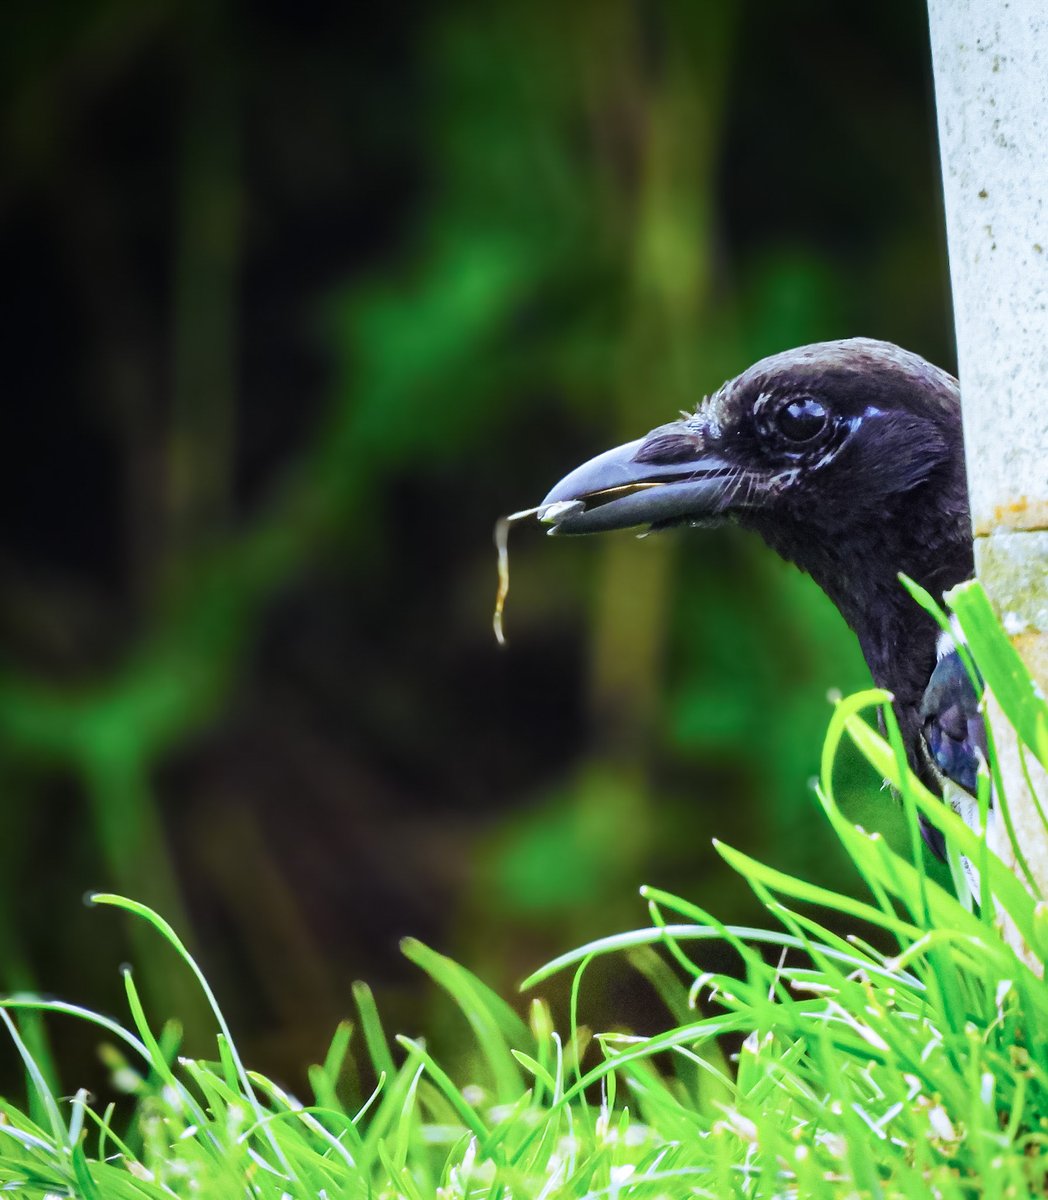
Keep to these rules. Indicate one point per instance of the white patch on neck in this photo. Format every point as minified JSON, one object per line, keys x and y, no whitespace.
{"x":947,"y":643}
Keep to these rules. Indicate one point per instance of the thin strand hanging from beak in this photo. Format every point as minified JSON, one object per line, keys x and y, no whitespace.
{"x":545,"y":512}
{"x":502,"y":527}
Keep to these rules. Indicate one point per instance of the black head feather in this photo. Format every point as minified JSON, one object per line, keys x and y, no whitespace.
{"x":846,"y":457}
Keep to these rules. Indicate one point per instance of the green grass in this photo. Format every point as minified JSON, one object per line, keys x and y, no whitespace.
{"x":906,"y":1059}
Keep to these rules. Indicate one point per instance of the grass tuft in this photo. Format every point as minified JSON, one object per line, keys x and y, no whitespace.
{"x":903,"y":1059}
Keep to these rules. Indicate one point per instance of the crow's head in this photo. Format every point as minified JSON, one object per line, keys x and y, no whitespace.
{"x":847,"y":457}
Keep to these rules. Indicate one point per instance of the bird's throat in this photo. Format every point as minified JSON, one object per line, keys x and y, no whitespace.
{"x":860,"y":574}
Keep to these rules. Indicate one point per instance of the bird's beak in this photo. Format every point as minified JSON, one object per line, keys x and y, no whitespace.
{"x":664,"y":478}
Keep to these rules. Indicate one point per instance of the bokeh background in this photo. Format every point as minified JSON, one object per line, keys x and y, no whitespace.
{"x":298,"y":300}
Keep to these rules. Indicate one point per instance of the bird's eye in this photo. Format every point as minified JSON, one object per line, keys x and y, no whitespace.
{"x":802,"y":420}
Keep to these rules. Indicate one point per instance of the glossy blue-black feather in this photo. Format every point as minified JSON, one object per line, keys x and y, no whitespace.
{"x":952,"y":724}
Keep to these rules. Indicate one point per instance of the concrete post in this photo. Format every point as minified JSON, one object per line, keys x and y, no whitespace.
{"x":990,"y":61}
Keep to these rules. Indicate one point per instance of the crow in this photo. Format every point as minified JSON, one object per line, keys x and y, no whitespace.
{"x":847,"y":457}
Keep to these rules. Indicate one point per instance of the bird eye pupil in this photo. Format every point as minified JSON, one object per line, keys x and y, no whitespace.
{"x":802,"y":420}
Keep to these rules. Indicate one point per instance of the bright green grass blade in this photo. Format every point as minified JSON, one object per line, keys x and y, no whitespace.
{"x":778,"y":881}
{"x":1004,"y":885}
{"x":407,"y":1123}
{"x":84,"y":1014}
{"x":337,"y":1051}
{"x":323,"y":1089}
{"x":309,"y":1116}
{"x":891,"y":874}
{"x":534,"y":1067}
{"x":374,"y":1035}
{"x":38,"y":1084}
{"x":34,"y":1035}
{"x":169,"y":935}
{"x":106,"y":1133}
{"x":696,"y":1033}
{"x":509,"y":1021}
{"x":467,"y":1114}
{"x":400,"y":1178}
{"x":495,"y":1025}
{"x":1004,"y":671}
{"x":542,"y":1030}
{"x":157,"y":1060}
{"x":84,"y":1181}
{"x":578,"y":1037}
{"x":385,"y":1111}
{"x":657,"y":935}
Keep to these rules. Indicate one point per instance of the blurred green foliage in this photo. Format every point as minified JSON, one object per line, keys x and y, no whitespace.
{"x":306,"y":301}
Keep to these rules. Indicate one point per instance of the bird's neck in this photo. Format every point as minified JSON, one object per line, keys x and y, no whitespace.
{"x":859,"y":571}
{"x":898,"y":639}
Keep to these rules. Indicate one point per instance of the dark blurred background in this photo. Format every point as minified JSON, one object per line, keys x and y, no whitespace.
{"x":298,"y":300}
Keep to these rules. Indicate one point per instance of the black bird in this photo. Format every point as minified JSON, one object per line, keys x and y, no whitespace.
{"x":847,"y":458}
